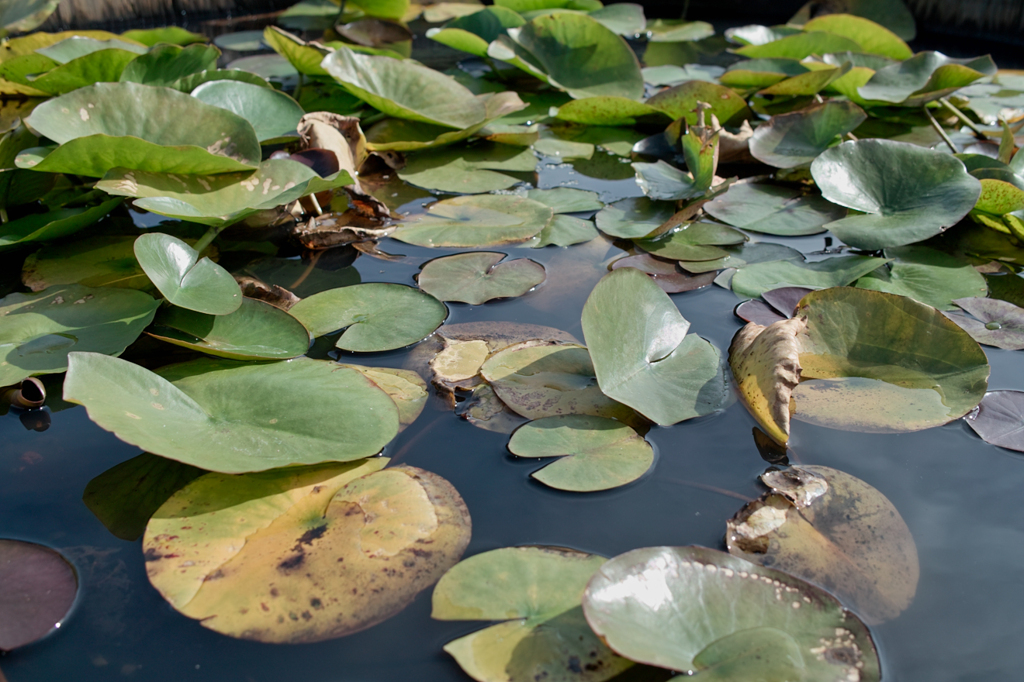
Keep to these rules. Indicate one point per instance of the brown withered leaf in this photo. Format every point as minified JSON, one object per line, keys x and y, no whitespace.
{"x":337,"y":229}
{"x":279,"y":297}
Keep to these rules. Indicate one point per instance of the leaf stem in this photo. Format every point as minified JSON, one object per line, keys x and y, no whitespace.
{"x":709,"y":488}
{"x":963,"y":117}
{"x":207,"y":239}
{"x":940,"y":131}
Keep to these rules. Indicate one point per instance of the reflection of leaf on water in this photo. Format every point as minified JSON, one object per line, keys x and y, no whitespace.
{"x":834,"y":530}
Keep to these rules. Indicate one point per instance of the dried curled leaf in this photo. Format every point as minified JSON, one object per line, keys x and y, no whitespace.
{"x":766,"y":364}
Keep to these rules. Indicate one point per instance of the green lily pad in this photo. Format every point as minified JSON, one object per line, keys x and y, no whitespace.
{"x":538,"y":379}
{"x":51,"y":225}
{"x":744,"y":255}
{"x":694,"y":242}
{"x":835,"y":531}
{"x":75,"y":47}
{"x":166,"y":64}
{"x":536,"y":591}
{"x":474,"y":32}
{"x":375,"y":316}
{"x":567,"y":199}
{"x":304,"y":555}
{"x":681,"y":102}
{"x":752,"y":281}
{"x":993,"y":322}
{"x":596,"y":453}
{"x":575,"y":53}
{"x":761,"y":73}
{"x":90,"y":68}
{"x":803,"y":85}
{"x":272,"y":114}
{"x":232,"y":417}
{"x":872,"y":38}
{"x":926,"y":275}
{"x":91,"y":262}
{"x":219,"y":199}
{"x":468,"y":171}
{"x":240,"y":41}
{"x":478,"y":277}
{"x":800,"y":46}
{"x":774,"y":209}
{"x":670,"y":75}
{"x":168,"y":132}
{"x":934,"y":191}
{"x":925,"y":77}
{"x":633,"y":218}
{"x":405,"y":387}
{"x":790,"y":140}
{"x":405,"y":89}
{"x":172,"y":35}
{"x":302,"y":57}
{"x":40,"y":587}
{"x":185,"y":279}
{"x":725,"y":613}
{"x":256,"y":331}
{"x":564,"y":230}
{"x":678,"y":30}
{"x":642,"y":354}
{"x":475,"y":220}
{"x":124,"y":497}
{"x":40,"y":329}
{"x":610,"y":111}
{"x":563,"y":149}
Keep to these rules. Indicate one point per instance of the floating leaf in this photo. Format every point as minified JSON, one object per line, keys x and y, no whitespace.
{"x":51,"y":225}
{"x":233,"y":417}
{"x":670,"y":74}
{"x":933,"y":191}
{"x":760,"y":73}
{"x":790,"y":140}
{"x":39,"y":590}
{"x":124,"y":497}
{"x":90,"y":68}
{"x":375,"y":317}
{"x":926,"y":275}
{"x":474,"y":32}
{"x":800,"y":46}
{"x":871,"y":37}
{"x":405,"y":387}
{"x":468,"y":171}
{"x":596,"y":453}
{"x":272,"y":114}
{"x":564,"y":230}
{"x":563,"y":149}
{"x":304,"y":555}
{"x":753,"y":280}
{"x":694,"y":242}
{"x":773,"y":209}
{"x":999,"y":418}
{"x":743,"y":255}
{"x":168,"y":132}
{"x":681,"y":102}
{"x":925,"y":77}
{"x":536,"y":590}
{"x":172,"y":35}
{"x":665,"y":273}
{"x":663,"y":182}
{"x":633,"y":218}
{"x":255,"y":331}
{"x":39,"y":330}
{"x":835,"y":531}
{"x":469,"y":221}
{"x":642,"y":354}
{"x":697,"y":609}
{"x":566,"y":199}
{"x":994,"y":323}
{"x":185,"y":279}
{"x":479,"y":277}
{"x":165,"y":64}
{"x":610,"y":111}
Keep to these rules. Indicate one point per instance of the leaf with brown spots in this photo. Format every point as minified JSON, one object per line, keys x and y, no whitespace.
{"x":304,"y":555}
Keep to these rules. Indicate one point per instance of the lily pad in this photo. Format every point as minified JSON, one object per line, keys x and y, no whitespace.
{"x":700,"y":610}
{"x":743,"y":255}
{"x":663,"y":182}
{"x":925,"y":77}
{"x":468,"y":171}
{"x":39,"y":590}
{"x":165,"y":64}
{"x":926,"y":275}
{"x":168,"y":132}
{"x":256,"y":331}
{"x":474,"y":32}
{"x":835,"y":531}
{"x":993,"y":322}
{"x":185,"y":279}
{"x":479,"y":277}
{"x":694,"y":242}
{"x":933,"y":191}
{"x":790,"y":140}
{"x":567,"y":199}
{"x":272,"y":114}
{"x":51,"y":225}
{"x":872,"y":38}
{"x":610,"y":111}
{"x":536,"y":591}
{"x":596,"y":453}
{"x":91,"y":262}
{"x":633,"y":218}
{"x":481,"y":220}
{"x":404,"y":386}
{"x":773,"y":209}
{"x":39,"y":330}
{"x":665,"y":273}
{"x":405,"y":89}
{"x":563,"y":149}
{"x":90,"y":68}
{"x":375,"y":316}
{"x":681,"y":102}
{"x":753,"y":280}
{"x":642,"y":355}
{"x":800,"y":46}
{"x":998,"y":419}
{"x":304,"y":555}
{"x":564,"y":230}
{"x":230,"y":417}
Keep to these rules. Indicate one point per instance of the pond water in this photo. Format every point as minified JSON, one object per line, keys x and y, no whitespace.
{"x":958,"y":495}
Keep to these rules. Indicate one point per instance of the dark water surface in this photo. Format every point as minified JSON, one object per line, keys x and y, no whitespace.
{"x":959,"y":496}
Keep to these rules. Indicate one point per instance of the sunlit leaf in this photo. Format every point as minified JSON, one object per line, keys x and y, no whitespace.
{"x":405,"y":387}
{"x":924,"y":77}
{"x":634,"y":217}
{"x":681,"y":102}
{"x":271,"y":113}
{"x":165,"y":64}
{"x":801,"y":45}
{"x":185,"y":279}
{"x":926,"y":275}
{"x":751,"y":281}
{"x":474,"y":32}
{"x":479,"y":277}
{"x":872,"y":38}
{"x":467,"y":171}
{"x":694,"y":242}
{"x":479,"y":220}
{"x":773,"y":209}
{"x":790,"y":140}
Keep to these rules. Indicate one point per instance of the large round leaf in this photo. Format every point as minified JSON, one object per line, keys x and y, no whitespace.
{"x":790,"y":140}
{"x":271,"y":113}
{"x":694,"y":242}
{"x":872,"y":38}
{"x":405,"y":89}
{"x":681,"y":102}
{"x":468,"y":171}
{"x":596,"y":453}
{"x":744,"y":255}
{"x":39,"y":330}
{"x":642,"y":354}
{"x":835,"y":531}
{"x":304,"y":555}
{"x":800,"y":46}
{"x":536,"y":590}
{"x":127,"y":125}
{"x":908,"y":193}
{"x":926,"y":275}
{"x":478,"y":277}
{"x":185,"y":279}
{"x":484,"y":220}
{"x":700,"y":610}
{"x":634,"y":217}
{"x":752,"y":281}
{"x":773,"y":209}
{"x":255,"y":331}
{"x":231,"y":417}
{"x":375,"y":316}
{"x":610,"y":111}
{"x":39,"y":589}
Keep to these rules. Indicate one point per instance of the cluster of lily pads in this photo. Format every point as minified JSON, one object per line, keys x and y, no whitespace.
{"x":257,"y":510}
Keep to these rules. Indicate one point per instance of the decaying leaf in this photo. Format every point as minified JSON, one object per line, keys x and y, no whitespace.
{"x":337,"y":229}
{"x":276,"y":296}
{"x":833,"y":530}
